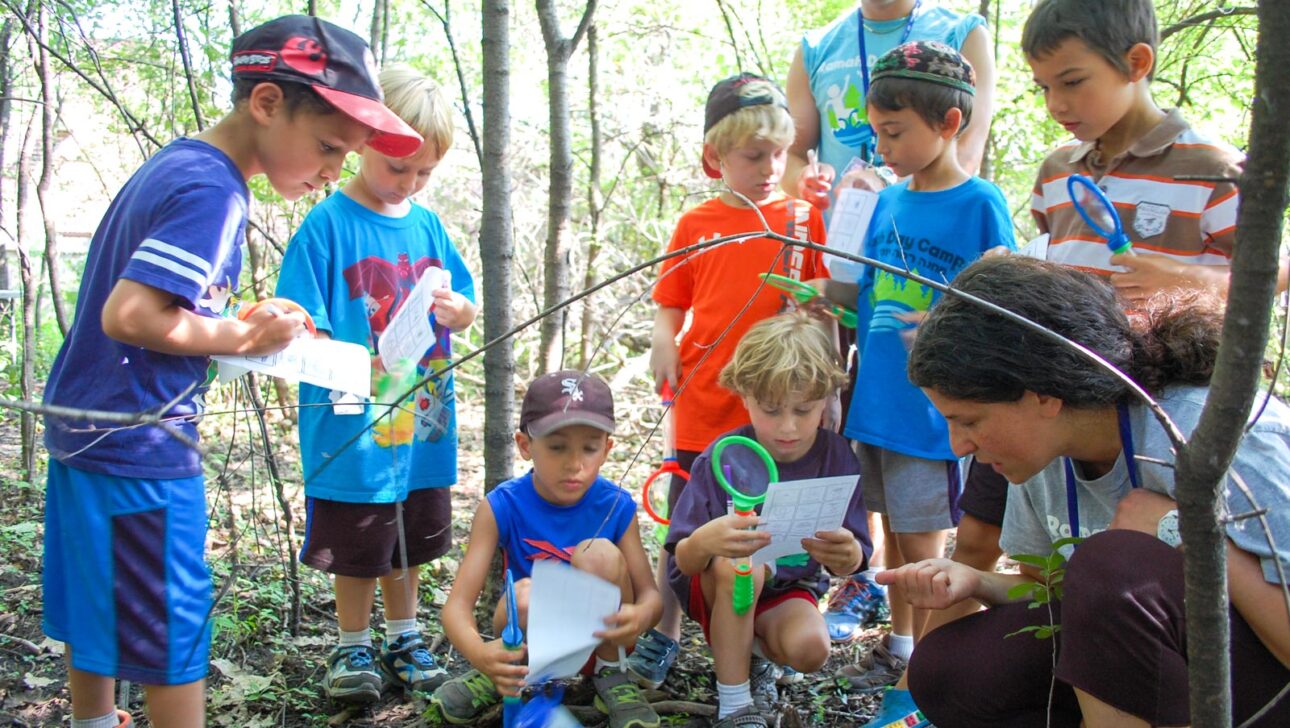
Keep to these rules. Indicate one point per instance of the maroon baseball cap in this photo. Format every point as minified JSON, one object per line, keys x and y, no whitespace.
{"x":568,"y":397}
{"x":735,"y":93}
{"x":332,"y":61}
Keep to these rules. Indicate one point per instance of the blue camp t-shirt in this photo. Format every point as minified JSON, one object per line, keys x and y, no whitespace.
{"x":940,"y":234}
{"x":531,"y":528}
{"x":176,"y":226}
{"x":351,"y":269}
{"x":831,"y":58}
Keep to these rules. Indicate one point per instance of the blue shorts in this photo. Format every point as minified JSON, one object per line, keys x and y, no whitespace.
{"x":125,"y":578}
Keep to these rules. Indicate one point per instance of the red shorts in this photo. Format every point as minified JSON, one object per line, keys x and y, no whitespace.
{"x":701,"y":612}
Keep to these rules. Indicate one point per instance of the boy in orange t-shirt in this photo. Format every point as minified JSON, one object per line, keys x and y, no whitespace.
{"x":747,"y":132}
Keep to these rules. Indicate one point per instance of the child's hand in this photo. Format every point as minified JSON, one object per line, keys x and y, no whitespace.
{"x":730,"y":536}
{"x":452,"y":310}
{"x":814,"y":185}
{"x":864,"y":178}
{"x":504,"y":667}
{"x":665,"y":363}
{"x":270,"y":330}
{"x":624,"y":626}
{"x":837,"y":550}
{"x":1146,"y":275}
{"x":907,"y":334}
{"x":997,"y":251}
{"x":934,"y":583}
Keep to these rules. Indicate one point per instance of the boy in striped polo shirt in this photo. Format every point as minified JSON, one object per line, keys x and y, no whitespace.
{"x":1094,"y":60}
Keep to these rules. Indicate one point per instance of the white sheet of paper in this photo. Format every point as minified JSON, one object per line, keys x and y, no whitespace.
{"x":565,"y":607}
{"x":337,"y":365}
{"x":409,"y":334}
{"x":852,"y":211}
{"x":796,"y":509}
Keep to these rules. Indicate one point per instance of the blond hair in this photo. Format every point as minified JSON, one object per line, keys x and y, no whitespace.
{"x":419,"y":102}
{"x":785,"y":355}
{"x":764,"y":121}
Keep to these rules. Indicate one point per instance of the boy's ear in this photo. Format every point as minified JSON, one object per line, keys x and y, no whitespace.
{"x":524,"y":444}
{"x":711,"y":157}
{"x":265,"y":101}
{"x":950,"y":125}
{"x":1141,"y":58}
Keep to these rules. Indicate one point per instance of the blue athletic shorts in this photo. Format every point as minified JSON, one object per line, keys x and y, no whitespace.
{"x":125,"y":579}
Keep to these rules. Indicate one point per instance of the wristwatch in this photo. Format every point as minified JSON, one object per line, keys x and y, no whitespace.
{"x":1167,"y":529}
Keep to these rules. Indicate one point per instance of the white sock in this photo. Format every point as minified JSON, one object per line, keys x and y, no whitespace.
{"x":900,"y":645}
{"x":602,"y":663}
{"x":358,"y":637}
{"x":396,"y":628}
{"x":731,"y":698}
{"x":103,"y":721}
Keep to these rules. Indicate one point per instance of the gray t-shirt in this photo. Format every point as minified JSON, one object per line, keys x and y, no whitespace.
{"x":1037,"y":512}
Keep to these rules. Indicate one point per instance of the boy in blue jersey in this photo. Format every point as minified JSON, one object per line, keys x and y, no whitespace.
{"x":125,"y":580}
{"x":934,"y":223}
{"x":351,"y":265}
{"x":562,"y":509}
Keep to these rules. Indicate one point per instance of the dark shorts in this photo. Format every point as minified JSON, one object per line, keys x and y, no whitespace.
{"x":125,"y":578}
{"x":985,"y":494}
{"x":362,"y":539}
{"x":684,"y":458}
{"x":700,"y":611}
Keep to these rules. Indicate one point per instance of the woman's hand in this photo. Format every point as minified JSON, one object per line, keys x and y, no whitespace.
{"x":934,"y":583}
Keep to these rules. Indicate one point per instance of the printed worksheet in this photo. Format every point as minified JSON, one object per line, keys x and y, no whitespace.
{"x":566,"y":607}
{"x":852,"y":211}
{"x":796,"y":509}
{"x":337,"y":365}
{"x":409,"y":334}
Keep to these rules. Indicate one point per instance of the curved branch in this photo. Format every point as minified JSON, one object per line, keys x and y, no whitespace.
{"x":1205,"y":17}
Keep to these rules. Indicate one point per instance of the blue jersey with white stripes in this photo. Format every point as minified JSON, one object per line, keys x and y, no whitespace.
{"x":176,"y":226}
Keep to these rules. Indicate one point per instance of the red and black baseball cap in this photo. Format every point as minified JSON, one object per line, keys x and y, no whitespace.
{"x":332,"y":61}
{"x":568,"y":397}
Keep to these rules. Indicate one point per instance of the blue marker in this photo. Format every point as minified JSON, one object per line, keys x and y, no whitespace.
{"x":513,"y":639}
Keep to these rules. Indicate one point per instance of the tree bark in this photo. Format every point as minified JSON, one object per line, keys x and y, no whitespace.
{"x":1203,"y":463}
{"x":6,"y":88}
{"x":27,"y":378}
{"x":555,"y":258}
{"x":594,"y":197}
{"x":47,"y":104}
{"x":497,"y":245}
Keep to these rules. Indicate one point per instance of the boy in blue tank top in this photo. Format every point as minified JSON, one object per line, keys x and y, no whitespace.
{"x":934,"y":223}
{"x":125,"y":579}
{"x":561,"y":509}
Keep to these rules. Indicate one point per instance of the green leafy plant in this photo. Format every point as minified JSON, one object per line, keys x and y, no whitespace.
{"x":1052,"y":572}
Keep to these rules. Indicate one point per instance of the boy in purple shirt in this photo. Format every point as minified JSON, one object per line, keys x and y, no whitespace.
{"x":784,"y":369}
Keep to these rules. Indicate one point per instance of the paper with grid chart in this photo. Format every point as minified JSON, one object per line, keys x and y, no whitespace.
{"x":409,"y":334}
{"x":337,"y":365}
{"x":796,"y":509}
{"x":848,"y":226}
{"x":566,"y":606}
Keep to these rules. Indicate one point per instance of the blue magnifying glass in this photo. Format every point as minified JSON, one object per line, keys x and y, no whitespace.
{"x":1095,"y":207}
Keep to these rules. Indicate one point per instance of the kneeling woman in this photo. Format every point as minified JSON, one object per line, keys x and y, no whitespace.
{"x":1066,"y":433}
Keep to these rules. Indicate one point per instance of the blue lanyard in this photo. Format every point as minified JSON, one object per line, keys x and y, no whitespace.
{"x":1126,"y":442}
{"x":864,"y":53}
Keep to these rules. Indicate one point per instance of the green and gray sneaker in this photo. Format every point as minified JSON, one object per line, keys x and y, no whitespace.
{"x":761,"y":680}
{"x":351,"y":675}
{"x":408,"y":663}
{"x":619,"y":698}
{"x":463,"y":699}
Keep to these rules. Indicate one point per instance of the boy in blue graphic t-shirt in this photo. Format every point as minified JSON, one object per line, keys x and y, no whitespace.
{"x":934,"y":223}
{"x":381,"y":503}
{"x":562,"y":509}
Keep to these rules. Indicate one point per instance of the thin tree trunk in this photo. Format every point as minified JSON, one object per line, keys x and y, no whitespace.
{"x":555,"y":258}
{"x":6,"y":88}
{"x":188,"y":65}
{"x":593,"y":196}
{"x":47,"y":170}
{"x":234,"y":19}
{"x":497,"y":245}
{"x":27,"y":378}
{"x":445,"y":20}
{"x":1203,"y":463}
{"x":379,"y":9}
{"x":987,"y":163}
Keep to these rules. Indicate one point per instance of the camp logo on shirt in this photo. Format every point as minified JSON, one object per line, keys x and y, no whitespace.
{"x":893,"y":295}
{"x":846,"y":117}
{"x":1150,"y":218}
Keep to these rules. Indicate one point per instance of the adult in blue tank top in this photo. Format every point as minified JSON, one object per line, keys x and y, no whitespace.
{"x":827,"y":85}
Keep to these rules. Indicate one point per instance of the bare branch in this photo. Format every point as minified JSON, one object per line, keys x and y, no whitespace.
{"x":1206,"y":17}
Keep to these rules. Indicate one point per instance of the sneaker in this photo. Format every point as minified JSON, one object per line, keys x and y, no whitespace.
{"x":788,"y":676}
{"x":463,"y":699}
{"x":649,"y":664}
{"x":621,"y":699}
{"x":898,"y":711}
{"x":761,"y":681}
{"x":408,"y":663}
{"x":743,"y":718}
{"x":857,"y":602}
{"x":352,"y":676}
{"x":876,"y":671}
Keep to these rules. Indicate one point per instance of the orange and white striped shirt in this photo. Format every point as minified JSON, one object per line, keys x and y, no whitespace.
{"x":1191,"y":221}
